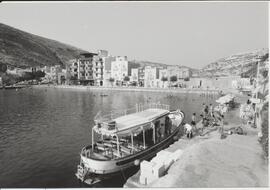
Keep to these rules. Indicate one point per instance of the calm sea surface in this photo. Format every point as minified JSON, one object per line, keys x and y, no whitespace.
{"x":43,"y":130}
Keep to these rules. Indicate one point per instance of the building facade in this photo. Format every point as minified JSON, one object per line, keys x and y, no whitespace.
{"x":18,"y":71}
{"x":107,"y":70}
{"x":151,"y":77}
{"x":184,"y":73}
{"x":119,"y":68}
{"x":178,"y":71}
{"x":134,"y":75}
{"x":163,"y":77}
{"x":141,"y":76}
{"x":81,"y":69}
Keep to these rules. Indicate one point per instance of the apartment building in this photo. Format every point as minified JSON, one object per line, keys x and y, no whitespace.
{"x":151,"y":77}
{"x":178,"y":71}
{"x":98,"y":67}
{"x":119,"y":68}
{"x":81,"y":69}
{"x":163,"y":77}
{"x":107,"y":62}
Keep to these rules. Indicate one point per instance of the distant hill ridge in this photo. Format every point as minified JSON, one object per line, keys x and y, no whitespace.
{"x":22,"y":49}
{"x":234,"y":64}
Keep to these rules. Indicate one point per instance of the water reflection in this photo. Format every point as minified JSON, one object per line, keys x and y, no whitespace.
{"x":42,"y":131}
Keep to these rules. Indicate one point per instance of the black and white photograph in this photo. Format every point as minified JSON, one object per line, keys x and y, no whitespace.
{"x":126,"y":94}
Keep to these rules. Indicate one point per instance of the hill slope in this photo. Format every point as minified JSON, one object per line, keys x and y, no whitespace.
{"x":21,"y":49}
{"x":234,"y":64}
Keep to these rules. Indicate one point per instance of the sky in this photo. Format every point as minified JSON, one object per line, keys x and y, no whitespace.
{"x":192,"y":34}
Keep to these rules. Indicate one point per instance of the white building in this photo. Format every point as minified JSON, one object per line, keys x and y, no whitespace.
{"x":119,"y":68}
{"x":18,"y":71}
{"x":178,"y":71}
{"x":107,"y":70}
{"x":98,"y":67}
{"x":163,"y":74}
{"x":151,"y":77}
{"x":184,"y":72}
{"x":51,"y":72}
{"x":134,"y":75}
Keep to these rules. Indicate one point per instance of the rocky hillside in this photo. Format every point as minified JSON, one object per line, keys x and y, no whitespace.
{"x":234,"y":64}
{"x":162,"y":65}
{"x":148,"y":63}
{"x":21,"y":49}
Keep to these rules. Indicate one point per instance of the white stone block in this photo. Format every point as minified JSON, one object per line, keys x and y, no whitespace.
{"x":163,"y":153}
{"x":143,"y":180}
{"x":177,"y":154}
{"x":145,"y":165}
{"x":146,"y":168}
{"x":158,"y":170}
{"x":151,"y":178}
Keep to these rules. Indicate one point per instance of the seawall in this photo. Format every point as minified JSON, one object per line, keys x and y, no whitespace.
{"x":131,"y":89}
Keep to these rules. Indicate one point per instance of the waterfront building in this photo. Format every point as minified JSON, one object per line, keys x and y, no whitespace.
{"x":121,"y":68}
{"x":107,"y":70}
{"x":184,"y":73}
{"x":51,"y":72}
{"x":218,"y":83}
{"x":20,"y":71}
{"x":172,"y":70}
{"x":54,"y":70}
{"x":163,"y":77}
{"x":45,"y":69}
{"x":141,"y":76}
{"x":151,"y":77}
{"x":134,"y":75}
{"x":80,"y":70}
{"x":179,"y":71}
{"x":98,"y":67}
{"x":61,"y":77}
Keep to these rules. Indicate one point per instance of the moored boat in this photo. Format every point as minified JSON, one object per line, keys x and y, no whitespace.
{"x":121,"y":140}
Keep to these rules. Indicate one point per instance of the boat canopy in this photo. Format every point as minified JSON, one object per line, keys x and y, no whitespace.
{"x":132,"y":123}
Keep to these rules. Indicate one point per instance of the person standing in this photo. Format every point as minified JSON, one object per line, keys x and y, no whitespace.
{"x":203,"y":110}
{"x":221,"y":128}
{"x":193,"y":121}
{"x":211,"y":110}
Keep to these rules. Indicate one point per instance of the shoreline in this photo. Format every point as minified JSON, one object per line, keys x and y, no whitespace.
{"x":204,"y":158}
{"x":131,"y":89}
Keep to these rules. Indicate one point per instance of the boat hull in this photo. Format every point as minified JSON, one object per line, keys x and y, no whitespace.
{"x":102,"y":169}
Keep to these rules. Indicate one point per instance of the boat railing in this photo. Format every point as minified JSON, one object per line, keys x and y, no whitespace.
{"x":138,"y":108}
